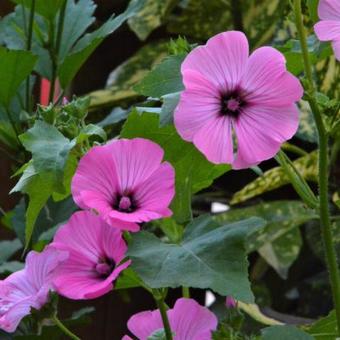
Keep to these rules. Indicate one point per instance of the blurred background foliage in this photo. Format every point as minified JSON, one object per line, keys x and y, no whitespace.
{"x":118,"y":74}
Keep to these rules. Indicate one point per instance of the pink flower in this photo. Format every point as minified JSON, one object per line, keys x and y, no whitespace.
{"x":125,"y":180}
{"x":188,"y":320}
{"x":95,"y":252}
{"x":227,"y":91}
{"x":28,"y":288}
{"x":328,"y":29}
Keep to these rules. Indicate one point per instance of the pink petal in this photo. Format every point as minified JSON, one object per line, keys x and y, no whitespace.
{"x":261,"y":130}
{"x":267,"y":81}
{"x":214,"y":140}
{"x":156,"y":193}
{"x":135,"y":160}
{"x":143,"y":324}
{"x":336,"y":48}
{"x":327,"y":30}
{"x":81,"y":233}
{"x":190,"y":320}
{"x":96,"y":172}
{"x":329,"y":10}
{"x":222,"y":60}
{"x":40,"y":267}
{"x":199,"y":102}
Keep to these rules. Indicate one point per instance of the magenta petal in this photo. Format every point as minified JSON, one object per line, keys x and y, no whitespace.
{"x":190,"y":320}
{"x":222,"y":60}
{"x":260,"y":132}
{"x":135,"y":160}
{"x":214,"y":140}
{"x":328,"y":30}
{"x":94,"y":247}
{"x":266,"y":80}
{"x":329,"y":10}
{"x":156,"y":193}
{"x":143,"y":324}
{"x":198,"y":104}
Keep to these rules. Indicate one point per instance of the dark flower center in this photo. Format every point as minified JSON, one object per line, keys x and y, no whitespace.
{"x":232,"y":104}
{"x":105,"y":267}
{"x":125,"y":203}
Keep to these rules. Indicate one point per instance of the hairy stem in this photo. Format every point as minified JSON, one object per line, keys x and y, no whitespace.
{"x":159,"y":298}
{"x":326,"y":230}
{"x":64,"y":329}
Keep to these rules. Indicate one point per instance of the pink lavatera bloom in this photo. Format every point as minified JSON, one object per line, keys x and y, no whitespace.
{"x":188,"y":320}
{"x":95,"y":252}
{"x":231,"y":94}
{"x":328,"y":29}
{"x":28,"y":288}
{"x":125,"y":180}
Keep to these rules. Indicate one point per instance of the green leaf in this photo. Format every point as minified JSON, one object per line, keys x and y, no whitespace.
{"x":284,"y":333}
{"x":15,"y":67}
{"x":91,"y":130}
{"x":209,"y":257}
{"x":275,"y":178}
{"x":150,"y":16}
{"x":88,"y":43}
{"x":170,"y":102}
{"x":46,"y":8}
{"x":313,"y":9}
{"x":122,"y":79}
{"x":307,"y":129}
{"x":158,"y":335}
{"x":165,"y":78}
{"x":9,"y":248}
{"x":10,"y":267}
{"x":128,"y":279}
{"x":325,"y":328}
{"x":279,"y":242}
{"x":193,"y":171}
{"x":49,"y":148}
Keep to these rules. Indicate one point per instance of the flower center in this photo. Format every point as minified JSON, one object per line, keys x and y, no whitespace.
{"x":231,"y":104}
{"x":125,"y":203}
{"x":105,"y":267}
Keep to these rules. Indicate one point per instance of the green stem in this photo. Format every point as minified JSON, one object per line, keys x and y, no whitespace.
{"x":159,"y":298}
{"x":326,"y":230}
{"x":186,"y":292}
{"x":64,"y":329}
{"x":294,"y":149}
{"x":28,"y":48}
{"x":55,"y":49}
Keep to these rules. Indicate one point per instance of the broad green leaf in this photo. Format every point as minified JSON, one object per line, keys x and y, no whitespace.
{"x":10,"y":267}
{"x":165,"y":78}
{"x":91,"y":130}
{"x":170,"y":103}
{"x":49,"y":148}
{"x":325,"y":328}
{"x":209,"y":257}
{"x":276,"y":178}
{"x":279,"y":242}
{"x":46,"y":8}
{"x":9,"y":248}
{"x":150,"y":16}
{"x":89,"y":42}
{"x":193,"y":171}
{"x":286,"y":332}
{"x":116,"y":115}
{"x":122,"y":80}
{"x":15,"y":67}
{"x":78,"y":17}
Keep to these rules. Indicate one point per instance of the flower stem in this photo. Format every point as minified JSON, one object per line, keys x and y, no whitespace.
{"x":326,"y":230}
{"x":159,"y":298}
{"x":28,"y":48}
{"x":186,"y":292}
{"x":64,"y":329}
